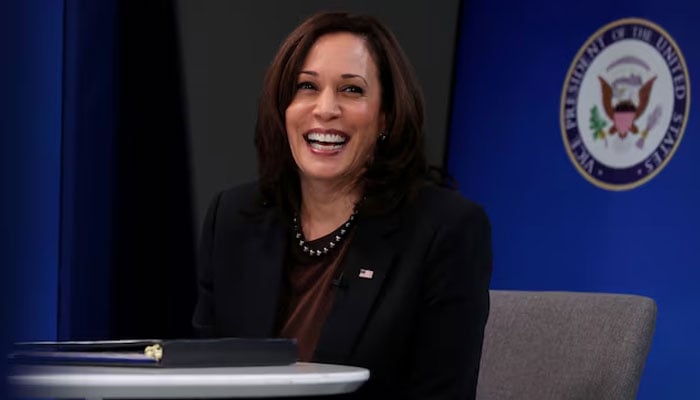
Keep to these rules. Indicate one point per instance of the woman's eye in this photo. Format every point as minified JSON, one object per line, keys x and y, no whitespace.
{"x":305,"y":85}
{"x":353,"y":89}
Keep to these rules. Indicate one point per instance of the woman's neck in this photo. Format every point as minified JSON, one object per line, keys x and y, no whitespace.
{"x":324,"y":207}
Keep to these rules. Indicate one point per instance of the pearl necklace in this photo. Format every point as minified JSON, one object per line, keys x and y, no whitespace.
{"x":336,"y":237}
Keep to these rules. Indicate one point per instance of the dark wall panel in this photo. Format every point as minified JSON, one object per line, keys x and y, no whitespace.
{"x":153,"y":277}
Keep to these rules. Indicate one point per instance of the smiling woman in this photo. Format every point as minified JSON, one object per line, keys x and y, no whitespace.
{"x":346,"y":243}
{"x":335,"y":117}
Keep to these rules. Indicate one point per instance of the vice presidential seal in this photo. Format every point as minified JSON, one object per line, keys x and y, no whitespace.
{"x":625,"y":104}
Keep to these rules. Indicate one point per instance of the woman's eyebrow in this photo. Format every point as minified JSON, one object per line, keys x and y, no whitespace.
{"x":347,"y":76}
{"x":344,"y":76}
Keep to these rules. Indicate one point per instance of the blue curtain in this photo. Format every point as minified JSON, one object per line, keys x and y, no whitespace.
{"x":58,"y":119}
{"x":561,"y":220}
{"x":31,"y":80}
{"x":96,"y":208}
{"x":87,"y":186}
{"x":31,"y":46}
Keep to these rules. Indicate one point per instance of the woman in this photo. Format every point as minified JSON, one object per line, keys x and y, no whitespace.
{"x":344,"y":243}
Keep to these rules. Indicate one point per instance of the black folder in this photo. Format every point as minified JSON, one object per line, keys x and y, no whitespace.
{"x":179,"y":353}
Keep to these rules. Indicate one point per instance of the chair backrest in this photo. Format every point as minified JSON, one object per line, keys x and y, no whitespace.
{"x":565,"y":345}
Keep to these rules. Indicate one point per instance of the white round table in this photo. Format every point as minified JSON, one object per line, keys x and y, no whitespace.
{"x":90,"y":382}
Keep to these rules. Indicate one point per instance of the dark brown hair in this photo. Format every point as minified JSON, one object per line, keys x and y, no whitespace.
{"x":399,"y":161}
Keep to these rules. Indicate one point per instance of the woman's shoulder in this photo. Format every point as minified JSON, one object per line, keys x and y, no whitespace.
{"x":248,"y":192}
{"x":439,"y":205}
{"x":441,"y":199}
{"x":244,"y":197}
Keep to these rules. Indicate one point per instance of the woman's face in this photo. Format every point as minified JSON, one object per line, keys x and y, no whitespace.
{"x":335,"y":117}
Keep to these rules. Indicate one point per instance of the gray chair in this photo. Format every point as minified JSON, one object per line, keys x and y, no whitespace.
{"x":565,"y":345}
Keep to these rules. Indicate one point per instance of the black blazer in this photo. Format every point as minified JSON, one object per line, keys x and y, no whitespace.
{"x":417,"y":325}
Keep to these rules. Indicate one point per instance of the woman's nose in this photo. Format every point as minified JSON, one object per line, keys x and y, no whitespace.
{"x":327,"y":106}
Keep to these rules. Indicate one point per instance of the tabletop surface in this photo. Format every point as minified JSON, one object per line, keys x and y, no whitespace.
{"x":91,"y":382}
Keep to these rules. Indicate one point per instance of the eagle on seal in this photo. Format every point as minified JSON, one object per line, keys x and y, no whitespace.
{"x":624,"y":113}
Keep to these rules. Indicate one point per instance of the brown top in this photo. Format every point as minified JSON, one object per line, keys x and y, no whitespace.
{"x":308,"y":294}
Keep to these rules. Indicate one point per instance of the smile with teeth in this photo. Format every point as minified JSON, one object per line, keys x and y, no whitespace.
{"x":326,"y":141}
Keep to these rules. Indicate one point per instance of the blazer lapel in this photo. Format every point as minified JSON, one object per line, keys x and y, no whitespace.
{"x":366,"y":264}
{"x":259,"y":286}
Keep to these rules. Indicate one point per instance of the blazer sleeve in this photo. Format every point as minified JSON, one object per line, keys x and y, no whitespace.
{"x":203,"y":318}
{"x":454,"y":309}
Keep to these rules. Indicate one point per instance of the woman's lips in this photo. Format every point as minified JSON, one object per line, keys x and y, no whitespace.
{"x":326,"y":141}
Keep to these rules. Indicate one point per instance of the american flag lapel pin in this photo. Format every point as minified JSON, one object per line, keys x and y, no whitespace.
{"x":366,"y":273}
